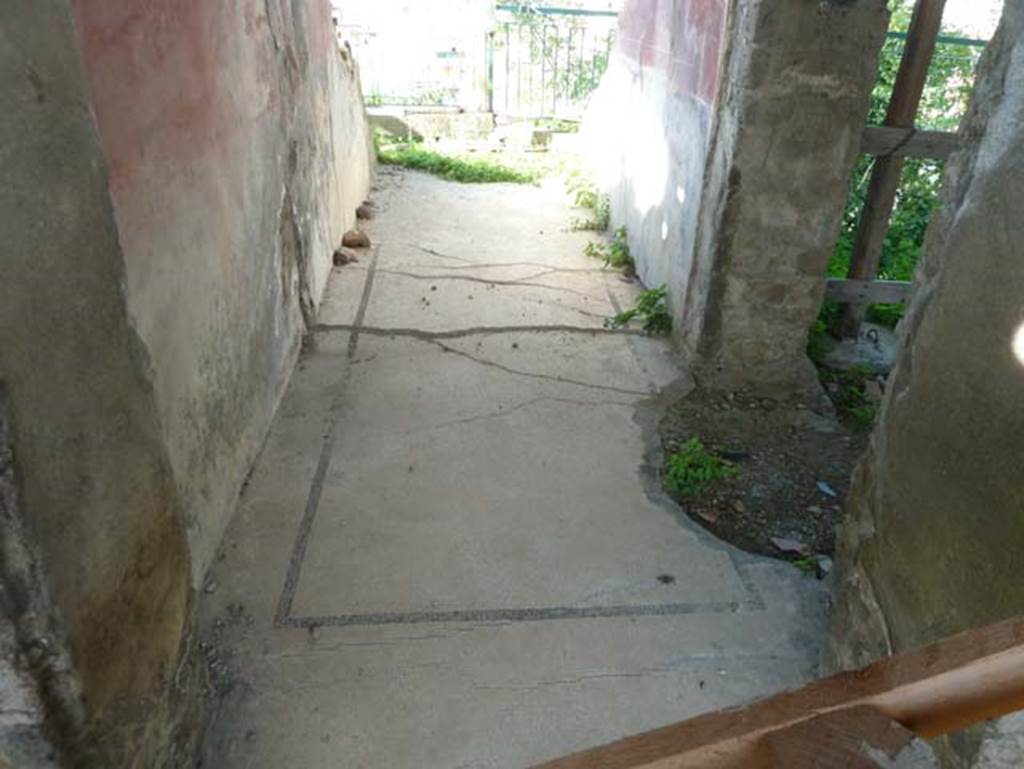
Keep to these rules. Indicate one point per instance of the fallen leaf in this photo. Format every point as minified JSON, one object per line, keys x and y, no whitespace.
{"x":790,"y":545}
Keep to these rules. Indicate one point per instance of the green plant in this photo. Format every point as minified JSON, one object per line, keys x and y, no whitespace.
{"x":819,"y":342}
{"x":806,"y":565}
{"x":651,"y":307}
{"x":555,"y":43}
{"x":585,"y":194}
{"x":693,"y":468}
{"x":847,"y":389}
{"x":618,"y":251}
{"x":948,"y":87}
{"x":385,"y":140}
{"x":557,"y":125}
{"x":613,"y":254}
{"x":863,"y":417}
{"x":449,"y":167}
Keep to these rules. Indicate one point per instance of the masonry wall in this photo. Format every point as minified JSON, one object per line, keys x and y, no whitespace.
{"x":726,"y":131}
{"x":238,"y":153}
{"x":649,"y":127}
{"x":934,"y":534}
{"x":95,"y":562}
{"x":173,"y":180}
{"x":788,"y":127}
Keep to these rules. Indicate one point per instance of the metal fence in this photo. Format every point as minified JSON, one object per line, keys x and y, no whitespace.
{"x":544,"y":62}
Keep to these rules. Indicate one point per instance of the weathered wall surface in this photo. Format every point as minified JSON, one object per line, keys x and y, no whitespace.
{"x":650,"y":123}
{"x":238,"y":152}
{"x":26,"y":616}
{"x":727,"y":132}
{"x":88,"y":488}
{"x":934,"y":535}
{"x":787,"y":132}
{"x":174,"y":178}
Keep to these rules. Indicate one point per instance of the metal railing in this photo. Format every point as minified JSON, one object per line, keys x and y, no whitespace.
{"x":543,"y":62}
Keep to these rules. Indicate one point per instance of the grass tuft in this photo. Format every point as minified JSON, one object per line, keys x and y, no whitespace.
{"x":454,"y":169}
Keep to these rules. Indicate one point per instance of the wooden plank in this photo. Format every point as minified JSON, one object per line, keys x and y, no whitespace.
{"x":908,"y":142}
{"x":917,"y":57}
{"x":867,"y":291}
{"x":960,"y":681}
{"x":847,"y":739}
{"x":885,"y":178}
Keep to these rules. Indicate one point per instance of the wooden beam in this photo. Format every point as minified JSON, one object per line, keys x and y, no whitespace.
{"x":868,"y":291}
{"x":960,"y":681}
{"x":885,"y":178}
{"x":908,"y":142}
{"x":847,"y":739}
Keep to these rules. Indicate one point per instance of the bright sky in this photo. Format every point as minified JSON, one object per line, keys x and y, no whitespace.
{"x":978,"y":18}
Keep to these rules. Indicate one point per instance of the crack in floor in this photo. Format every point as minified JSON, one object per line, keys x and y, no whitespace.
{"x":574,"y":681}
{"x":473,"y":265}
{"x":434,"y":252}
{"x":534,"y":375}
{"x":430,"y":336}
{"x":519,"y":407}
{"x":436,"y":337}
{"x":491,"y":281}
{"x":492,"y":557}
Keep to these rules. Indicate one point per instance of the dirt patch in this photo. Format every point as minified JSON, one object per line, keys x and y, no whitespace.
{"x":793,"y":462}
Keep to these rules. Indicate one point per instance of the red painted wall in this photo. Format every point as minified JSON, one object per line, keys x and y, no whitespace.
{"x":682,"y":38}
{"x":224,"y":123}
{"x":159,"y":85}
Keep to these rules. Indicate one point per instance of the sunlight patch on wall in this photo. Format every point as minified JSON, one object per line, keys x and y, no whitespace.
{"x":1018,"y":344}
{"x":625,"y":138}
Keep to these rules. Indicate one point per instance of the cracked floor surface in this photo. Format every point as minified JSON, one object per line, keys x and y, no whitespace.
{"x":453,"y":552}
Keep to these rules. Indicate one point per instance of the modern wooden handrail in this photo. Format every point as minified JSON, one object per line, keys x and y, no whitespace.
{"x":947,"y":686}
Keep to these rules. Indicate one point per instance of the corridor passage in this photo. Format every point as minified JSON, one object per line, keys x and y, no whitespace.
{"x":453,"y":553}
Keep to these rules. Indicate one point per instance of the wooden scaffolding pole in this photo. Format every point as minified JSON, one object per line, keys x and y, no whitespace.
{"x":885,"y":178}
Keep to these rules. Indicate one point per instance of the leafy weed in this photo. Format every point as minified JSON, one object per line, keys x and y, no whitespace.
{"x":613,"y":254}
{"x":693,"y":468}
{"x":847,"y":389}
{"x":585,"y":194}
{"x":651,"y":307}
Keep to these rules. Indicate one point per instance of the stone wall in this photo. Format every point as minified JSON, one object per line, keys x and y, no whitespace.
{"x":237,"y":146}
{"x":725,"y":132}
{"x":648,"y":127}
{"x":934,"y":533}
{"x":94,"y":497}
{"x":173,"y":178}
{"x":787,"y":132}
